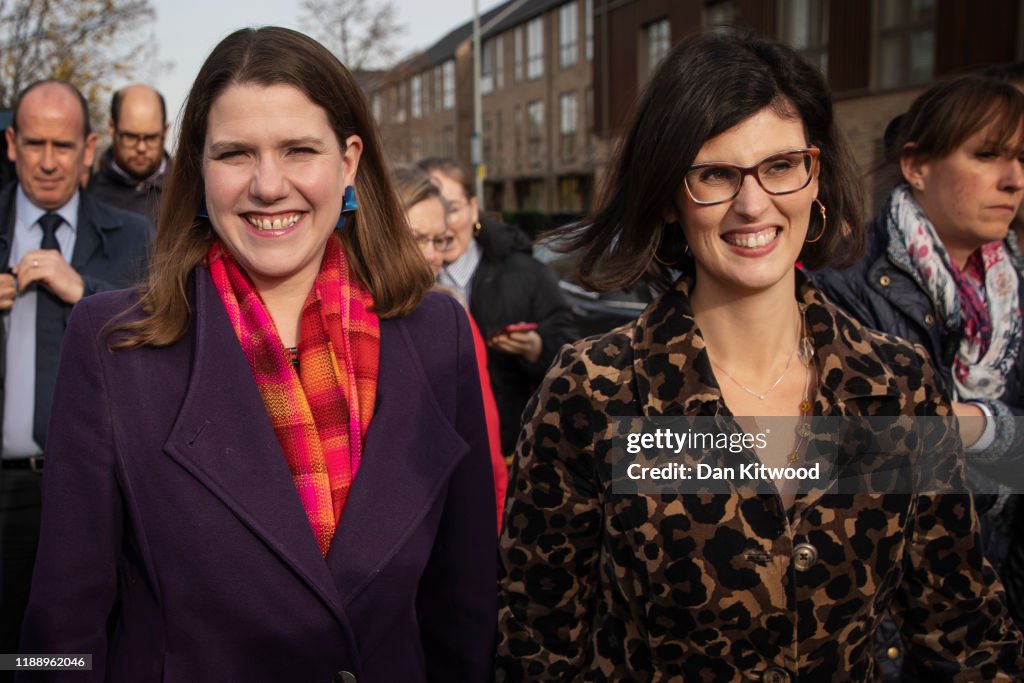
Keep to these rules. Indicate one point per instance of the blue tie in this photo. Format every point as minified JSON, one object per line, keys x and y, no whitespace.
{"x":49,"y":333}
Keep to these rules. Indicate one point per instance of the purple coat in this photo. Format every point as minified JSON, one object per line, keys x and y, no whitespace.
{"x":174,"y":546}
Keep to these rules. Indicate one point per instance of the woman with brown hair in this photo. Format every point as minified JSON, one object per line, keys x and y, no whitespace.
{"x":274,"y":465}
{"x":427,"y":213}
{"x":491,"y":267}
{"x":938,"y":273}
{"x":731,"y":170}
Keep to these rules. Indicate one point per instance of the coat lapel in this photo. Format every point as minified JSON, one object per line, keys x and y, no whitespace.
{"x":224,"y":438}
{"x":90,"y":235}
{"x":410,"y":452}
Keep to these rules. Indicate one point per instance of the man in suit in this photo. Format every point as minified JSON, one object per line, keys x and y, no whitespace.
{"x":57,"y":245}
{"x":131,"y":173}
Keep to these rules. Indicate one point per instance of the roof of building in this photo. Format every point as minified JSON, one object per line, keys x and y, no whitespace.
{"x":444,"y":49}
{"x":520,"y":15}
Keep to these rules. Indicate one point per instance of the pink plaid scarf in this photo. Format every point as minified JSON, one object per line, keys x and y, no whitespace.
{"x":321,"y":412}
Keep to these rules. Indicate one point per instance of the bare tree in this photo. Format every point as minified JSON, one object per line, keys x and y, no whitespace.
{"x":90,"y":43}
{"x":362,"y":34}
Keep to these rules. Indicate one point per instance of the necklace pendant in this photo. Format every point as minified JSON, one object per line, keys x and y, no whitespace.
{"x":794,"y":456}
{"x":806,"y":350}
{"x":805,"y":407}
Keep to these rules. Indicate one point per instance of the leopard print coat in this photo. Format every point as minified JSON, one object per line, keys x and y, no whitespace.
{"x":602,"y":587}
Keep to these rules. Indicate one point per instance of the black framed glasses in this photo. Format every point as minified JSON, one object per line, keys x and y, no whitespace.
{"x":441,"y":244}
{"x":133,"y":139}
{"x":780,"y":173}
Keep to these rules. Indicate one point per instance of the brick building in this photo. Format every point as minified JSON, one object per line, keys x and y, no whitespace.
{"x":877,"y":55}
{"x":560,"y":76}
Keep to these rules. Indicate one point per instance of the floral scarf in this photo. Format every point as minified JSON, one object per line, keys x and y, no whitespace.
{"x":320,"y":412}
{"x":982,"y":299}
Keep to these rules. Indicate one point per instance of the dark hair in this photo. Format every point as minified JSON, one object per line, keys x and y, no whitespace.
{"x":379,"y":247}
{"x":86,"y":126}
{"x":1011,"y":72}
{"x":453,"y":169}
{"x":707,"y":84}
{"x":115,"y":105}
{"x":946,"y":114}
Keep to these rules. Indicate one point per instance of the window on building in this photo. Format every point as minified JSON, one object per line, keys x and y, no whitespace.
{"x":568,"y":35}
{"x":654,"y":44}
{"x":403,"y":98}
{"x":448,"y":87}
{"x":721,"y":14}
{"x":517,"y":40}
{"x":529,"y":195}
{"x":657,"y":42}
{"x":499,"y":62}
{"x":569,"y":195}
{"x":906,"y":42}
{"x":487,"y":67}
{"x":535,"y":49}
{"x":535,"y":132}
{"x":416,"y":96}
{"x":804,"y":27}
{"x":438,"y":88}
{"x":568,"y":124}
{"x":588,"y":28}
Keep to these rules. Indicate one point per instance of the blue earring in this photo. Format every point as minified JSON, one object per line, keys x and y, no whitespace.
{"x":348,"y":205}
{"x":201,"y":211}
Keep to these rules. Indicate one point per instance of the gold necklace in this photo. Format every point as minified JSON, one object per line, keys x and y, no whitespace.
{"x":799,"y":346}
{"x":806,"y":346}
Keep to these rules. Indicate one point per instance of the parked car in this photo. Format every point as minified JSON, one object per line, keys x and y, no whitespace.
{"x":596,"y":312}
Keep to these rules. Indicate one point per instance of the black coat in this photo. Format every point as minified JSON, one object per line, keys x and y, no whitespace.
{"x":138,"y":196}
{"x":884,"y":292}
{"x":510,"y":286}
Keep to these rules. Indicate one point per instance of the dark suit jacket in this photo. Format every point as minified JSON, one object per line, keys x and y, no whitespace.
{"x":111,"y":249}
{"x":175,"y":548}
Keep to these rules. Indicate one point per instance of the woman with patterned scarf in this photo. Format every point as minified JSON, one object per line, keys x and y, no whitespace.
{"x":271,"y":464}
{"x":939,"y":273}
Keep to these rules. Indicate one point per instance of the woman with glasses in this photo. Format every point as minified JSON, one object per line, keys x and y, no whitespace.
{"x":732,"y":169}
{"x":490,"y":266}
{"x":427,"y":215}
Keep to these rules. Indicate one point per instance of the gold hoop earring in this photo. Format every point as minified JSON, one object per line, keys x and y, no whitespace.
{"x":654,"y":254}
{"x":824,"y":221}
{"x":477,"y":228}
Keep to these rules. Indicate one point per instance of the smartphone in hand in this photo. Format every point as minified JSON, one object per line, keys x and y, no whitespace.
{"x":519,"y":327}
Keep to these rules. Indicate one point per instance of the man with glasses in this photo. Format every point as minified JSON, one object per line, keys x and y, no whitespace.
{"x":131,"y":173}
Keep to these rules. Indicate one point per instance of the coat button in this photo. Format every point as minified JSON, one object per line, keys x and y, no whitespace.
{"x":928,"y":319}
{"x":345,"y":677}
{"x":893,"y":653}
{"x":774,"y":674}
{"x":805,"y":556}
{"x":885,"y":280}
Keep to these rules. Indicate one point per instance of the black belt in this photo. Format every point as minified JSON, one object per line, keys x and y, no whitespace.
{"x":33,"y":463}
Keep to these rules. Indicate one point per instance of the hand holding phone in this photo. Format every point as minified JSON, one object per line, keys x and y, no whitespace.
{"x":518,"y":327}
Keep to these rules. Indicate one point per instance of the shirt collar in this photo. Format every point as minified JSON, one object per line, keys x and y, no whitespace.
{"x":461,"y":269}
{"x":30,"y":214}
